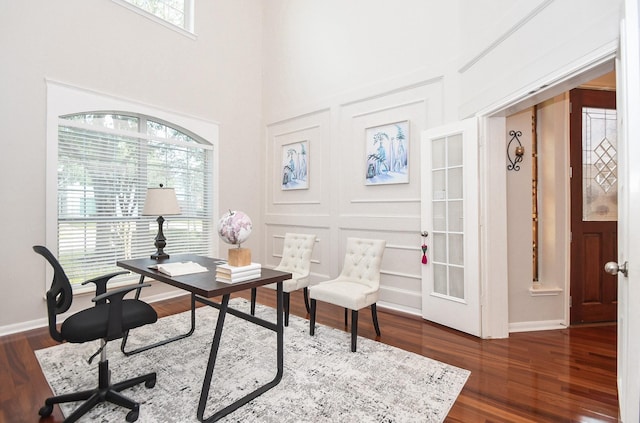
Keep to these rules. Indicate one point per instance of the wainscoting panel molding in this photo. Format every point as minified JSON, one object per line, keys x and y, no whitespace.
{"x":338,"y":202}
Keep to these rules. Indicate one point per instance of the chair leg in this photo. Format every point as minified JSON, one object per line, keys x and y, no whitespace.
{"x":312,"y":318}
{"x":305,"y":291}
{"x":346,"y":313}
{"x":354,"y":329}
{"x":286,"y":296}
{"x":253,"y":301}
{"x":85,"y":407}
{"x":374,"y":315}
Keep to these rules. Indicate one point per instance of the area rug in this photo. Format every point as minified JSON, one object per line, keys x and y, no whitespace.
{"x":323,"y":380}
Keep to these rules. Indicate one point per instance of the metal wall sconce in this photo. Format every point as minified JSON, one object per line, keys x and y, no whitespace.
{"x":515,"y":147}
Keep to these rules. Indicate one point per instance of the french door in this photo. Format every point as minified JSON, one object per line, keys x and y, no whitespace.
{"x":450,"y":226}
{"x":628,"y":102}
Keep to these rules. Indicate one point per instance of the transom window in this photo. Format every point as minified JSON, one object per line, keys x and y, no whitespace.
{"x":175,"y":12}
{"x":106,"y":161}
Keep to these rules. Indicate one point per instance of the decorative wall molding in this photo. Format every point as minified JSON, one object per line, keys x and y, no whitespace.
{"x":295,"y":131}
{"x":299,"y":116}
{"x":390,"y":107}
{"x":291,"y":203}
{"x":401,"y":274}
{"x":386,"y":93}
{"x":505,"y":35}
{"x":338,"y":204}
{"x":384,"y":200}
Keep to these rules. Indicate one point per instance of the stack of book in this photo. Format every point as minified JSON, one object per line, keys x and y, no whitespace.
{"x":232,"y":274}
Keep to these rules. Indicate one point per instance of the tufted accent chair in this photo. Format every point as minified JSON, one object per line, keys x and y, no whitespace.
{"x":296,"y":259}
{"x":356,"y":287}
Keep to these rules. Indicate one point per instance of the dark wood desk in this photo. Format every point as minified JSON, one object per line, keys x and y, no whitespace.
{"x":203,"y":287}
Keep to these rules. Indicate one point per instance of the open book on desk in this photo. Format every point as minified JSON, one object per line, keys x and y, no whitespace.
{"x":179,"y":268}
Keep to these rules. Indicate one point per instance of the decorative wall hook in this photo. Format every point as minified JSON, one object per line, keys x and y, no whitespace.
{"x":518,"y":150}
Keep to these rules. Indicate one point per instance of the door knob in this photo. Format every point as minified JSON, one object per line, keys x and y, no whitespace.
{"x":612,"y":268}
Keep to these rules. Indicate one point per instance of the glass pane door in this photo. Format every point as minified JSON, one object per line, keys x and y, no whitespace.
{"x":448,"y":219}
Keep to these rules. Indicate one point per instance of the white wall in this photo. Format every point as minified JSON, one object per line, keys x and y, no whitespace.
{"x":539,"y":305}
{"x":104,"y":47}
{"x":333,"y":69}
{"x":328,"y":63}
{"x":314,"y":50}
{"x":511,"y":48}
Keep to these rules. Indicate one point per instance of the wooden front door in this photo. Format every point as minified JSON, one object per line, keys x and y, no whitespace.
{"x":594,"y":205}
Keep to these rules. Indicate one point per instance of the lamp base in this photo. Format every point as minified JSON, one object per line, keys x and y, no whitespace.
{"x":160,"y":242}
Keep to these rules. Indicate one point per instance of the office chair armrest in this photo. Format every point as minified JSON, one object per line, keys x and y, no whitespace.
{"x":115,"y":298}
{"x":101,"y":281}
{"x":118,"y":294}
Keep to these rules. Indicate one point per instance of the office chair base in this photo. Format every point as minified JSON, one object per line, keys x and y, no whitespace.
{"x":104,"y":392}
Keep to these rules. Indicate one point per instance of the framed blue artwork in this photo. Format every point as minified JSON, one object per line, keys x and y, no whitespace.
{"x":387,"y":154}
{"x":295,"y":165}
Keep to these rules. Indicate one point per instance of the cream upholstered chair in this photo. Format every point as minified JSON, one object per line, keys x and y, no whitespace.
{"x":357,"y":286}
{"x":296,"y":259}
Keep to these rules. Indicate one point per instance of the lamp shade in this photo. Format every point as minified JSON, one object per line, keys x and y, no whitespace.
{"x":160,"y":202}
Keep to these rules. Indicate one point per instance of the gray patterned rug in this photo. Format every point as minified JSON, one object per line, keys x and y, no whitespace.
{"x":323,"y":380}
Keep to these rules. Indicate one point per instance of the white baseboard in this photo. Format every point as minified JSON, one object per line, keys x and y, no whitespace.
{"x":23,"y":326}
{"x":536,"y":326}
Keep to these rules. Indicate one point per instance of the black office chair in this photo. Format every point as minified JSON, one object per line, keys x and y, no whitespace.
{"x":111,"y":317}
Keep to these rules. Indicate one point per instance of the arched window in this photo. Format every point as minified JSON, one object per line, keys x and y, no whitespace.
{"x":106,"y":161}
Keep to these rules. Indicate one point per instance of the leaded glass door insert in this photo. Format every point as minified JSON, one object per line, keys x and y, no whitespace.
{"x":599,"y":164}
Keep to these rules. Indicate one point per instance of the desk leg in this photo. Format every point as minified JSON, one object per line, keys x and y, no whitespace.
{"x":165,"y":341}
{"x":206,"y":385}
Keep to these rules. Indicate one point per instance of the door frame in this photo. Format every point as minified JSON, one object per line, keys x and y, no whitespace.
{"x":494,"y":300}
{"x":493,"y":193}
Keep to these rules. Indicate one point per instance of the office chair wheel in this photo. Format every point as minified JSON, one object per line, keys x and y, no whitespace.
{"x":150,"y":383}
{"x":46,"y":410}
{"x":132,"y":416}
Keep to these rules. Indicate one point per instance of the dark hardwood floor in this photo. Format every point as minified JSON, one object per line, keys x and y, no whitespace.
{"x":549,"y":376}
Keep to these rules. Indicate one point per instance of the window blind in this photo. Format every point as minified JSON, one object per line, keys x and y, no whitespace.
{"x":103,"y":176}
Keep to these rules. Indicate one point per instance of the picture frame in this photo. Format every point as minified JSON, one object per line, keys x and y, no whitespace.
{"x":295,"y":166}
{"x":387,"y":154}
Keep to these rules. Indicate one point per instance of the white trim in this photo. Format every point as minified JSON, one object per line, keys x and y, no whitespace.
{"x":495,"y":301}
{"x":399,"y":308}
{"x":536,"y":326}
{"x":597,"y":63}
{"x":494,"y":281}
{"x":505,"y":35}
{"x":545,"y":292}
{"x":385,"y":200}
